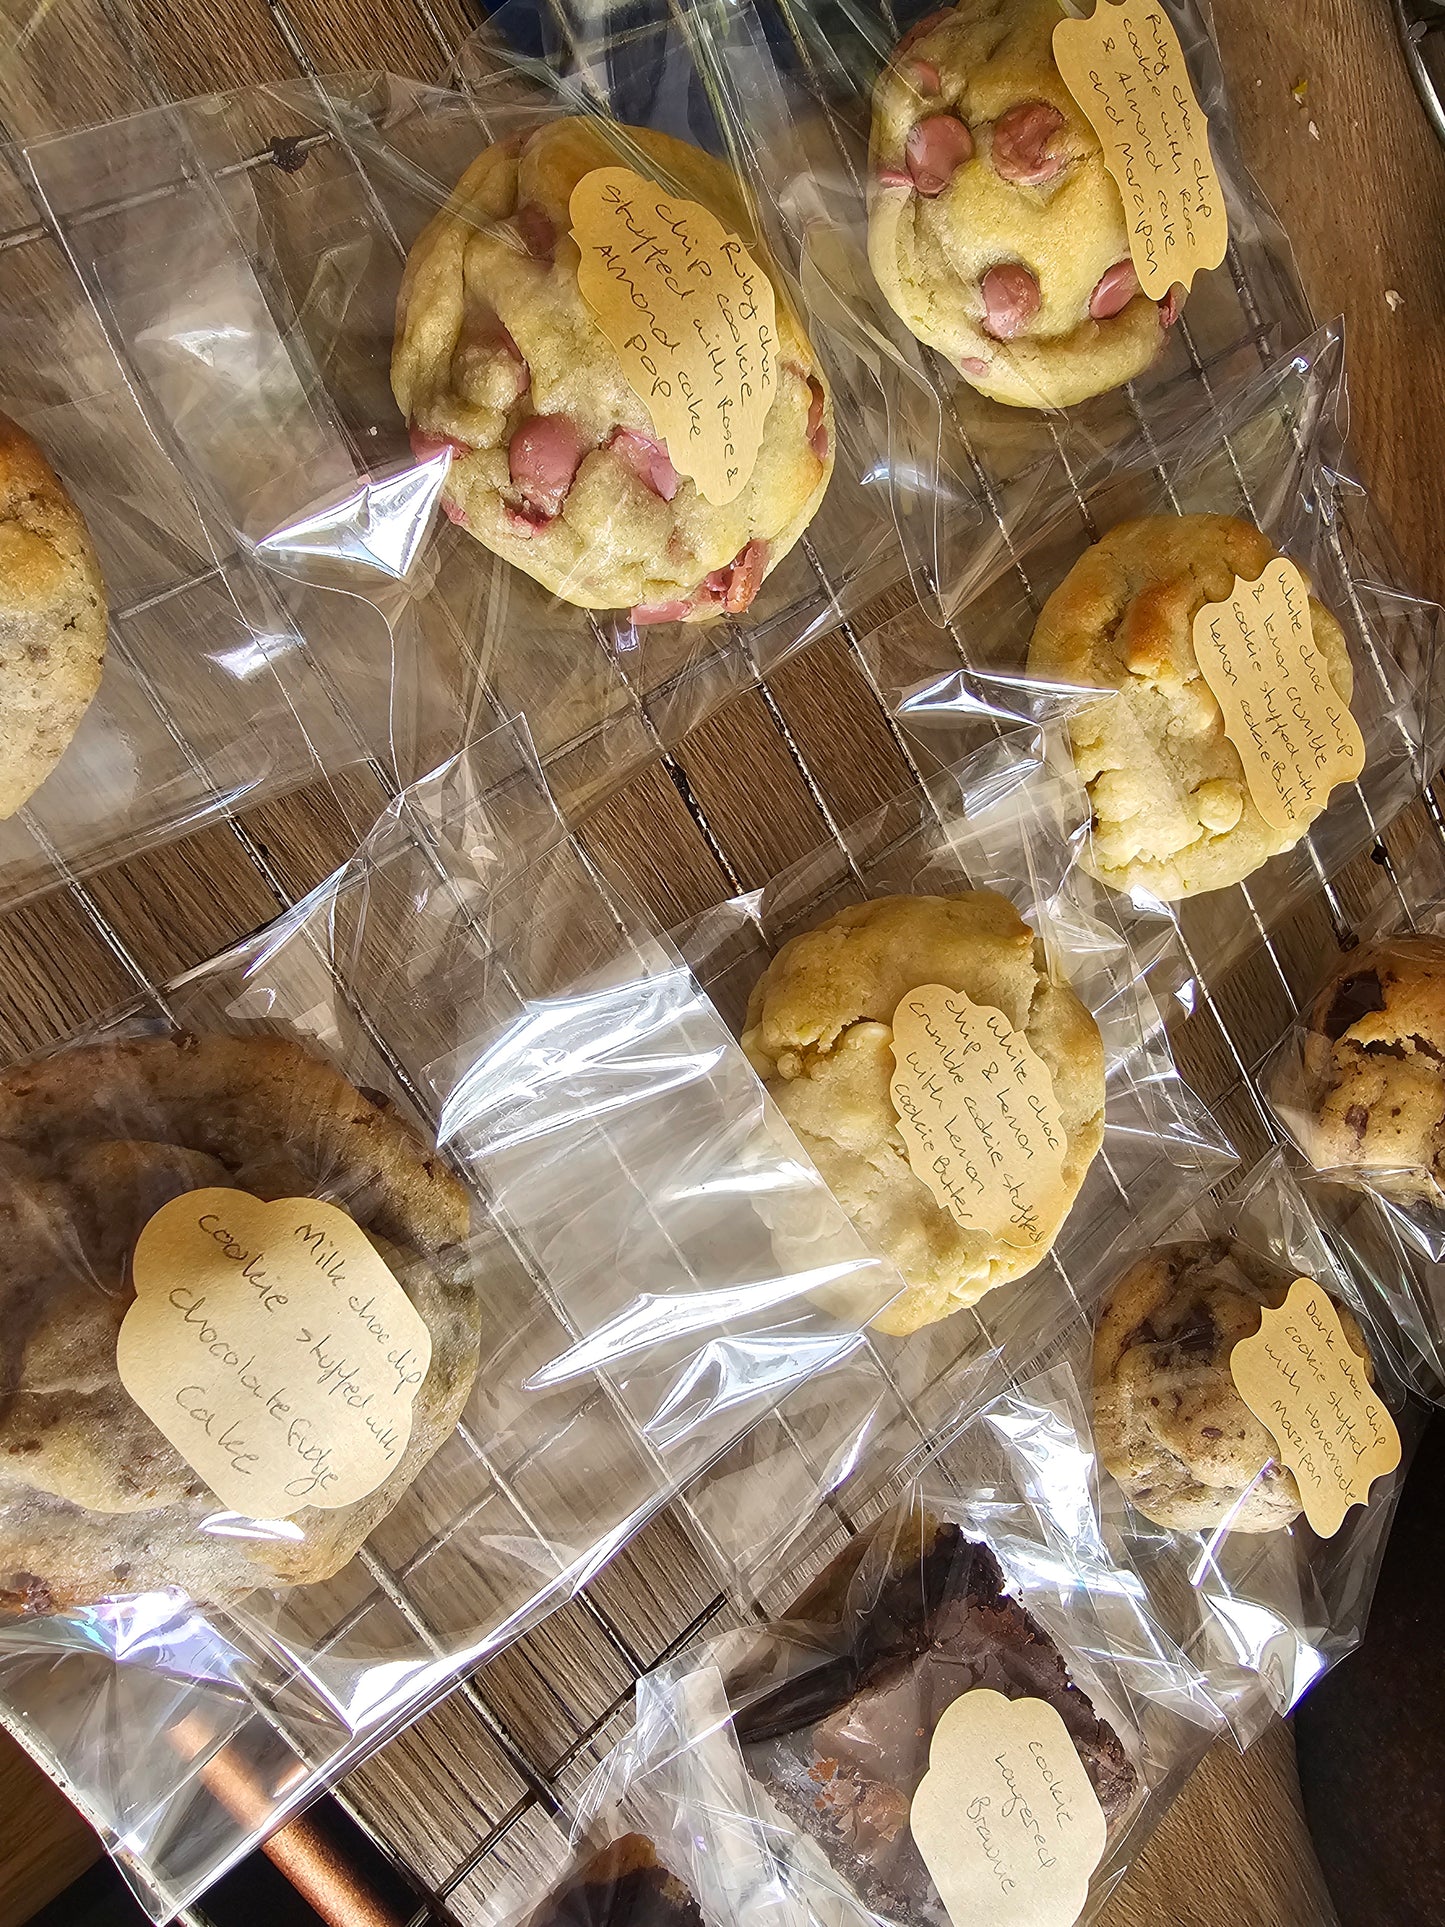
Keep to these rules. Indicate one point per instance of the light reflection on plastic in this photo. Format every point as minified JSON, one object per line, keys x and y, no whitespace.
{"x":380,"y":524}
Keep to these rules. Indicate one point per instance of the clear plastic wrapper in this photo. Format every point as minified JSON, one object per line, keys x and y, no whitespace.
{"x":273,"y":225}
{"x":210,"y":696}
{"x":1271,"y":457}
{"x":797,"y":82}
{"x":772,"y":1770}
{"x":603,"y":1301}
{"x":1159,"y":1147}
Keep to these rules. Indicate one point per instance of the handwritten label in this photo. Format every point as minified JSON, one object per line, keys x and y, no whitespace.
{"x":1294,"y":732}
{"x":1005,"y":1817}
{"x":1125,"y":68}
{"x":273,"y":1348}
{"x":691,"y":315}
{"x":975,"y":1103}
{"x":1307,"y":1385}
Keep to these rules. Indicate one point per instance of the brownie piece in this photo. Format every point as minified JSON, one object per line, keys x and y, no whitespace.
{"x":841,"y":1744}
{"x":625,"y":1885}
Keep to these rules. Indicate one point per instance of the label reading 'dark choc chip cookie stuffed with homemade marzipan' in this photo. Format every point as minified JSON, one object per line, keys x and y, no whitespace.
{"x":273,"y":1348}
{"x":1125,"y":68}
{"x":1306,"y":1384}
{"x":1294,"y":732}
{"x":976,"y":1107}
{"x":1005,"y":1818}
{"x":692,"y":317}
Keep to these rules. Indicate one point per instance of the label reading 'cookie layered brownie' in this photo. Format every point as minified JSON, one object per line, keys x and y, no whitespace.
{"x":1306,"y":1385}
{"x":1125,"y":68}
{"x":1294,"y":732}
{"x":976,"y":1106}
{"x":1005,"y":1817}
{"x":691,"y":315}
{"x":273,"y":1348}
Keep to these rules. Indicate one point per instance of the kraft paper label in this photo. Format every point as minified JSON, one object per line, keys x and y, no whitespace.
{"x":1306,"y":1385}
{"x":1005,"y":1818}
{"x":692,"y":316}
{"x":976,"y":1107}
{"x":273,"y":1348}
{"x":1125,"y":68}
{"x":1294,"y":732}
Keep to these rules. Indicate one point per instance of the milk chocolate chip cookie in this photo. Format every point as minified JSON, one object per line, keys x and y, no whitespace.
{"x":819,"y":1034}
{"x":994,"y":229}
{"x":52,"y":618}
{"x":1171,"y":809}
{"x":557,"y":464}
{"x":1373,"y":1098}
{"x":94,"y":1501}
{"x":1168,"y":1422}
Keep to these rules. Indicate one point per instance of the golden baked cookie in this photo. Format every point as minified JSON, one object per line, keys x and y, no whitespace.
{"x":1169,"y":1424}
{"x":994,"y":229}
{"x":556,"y":461}
{"x":94,"y":1500}
{"x":819,"y":1034}
{"x":1373,"y":1100}
{"x":52,"y":618}
{"x":1171,"y":812}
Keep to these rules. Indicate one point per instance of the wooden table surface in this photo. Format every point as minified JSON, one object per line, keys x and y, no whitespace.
{"x":1332,"y":131}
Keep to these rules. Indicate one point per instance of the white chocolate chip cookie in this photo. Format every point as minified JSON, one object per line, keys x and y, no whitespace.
{"x":1171,"y":810}
{"x":819,"y":1034}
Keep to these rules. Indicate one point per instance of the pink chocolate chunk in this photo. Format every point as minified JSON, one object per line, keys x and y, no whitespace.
{"x":544,"y":455}
{"x":1010,"y":300}
{"x":936,"y":149}
{"x":648,"y":461}
{"x":1117,"y":288}
{"x":1020,"y":149}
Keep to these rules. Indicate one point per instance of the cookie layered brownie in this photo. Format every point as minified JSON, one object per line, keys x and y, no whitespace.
{"x":887,"y":1638}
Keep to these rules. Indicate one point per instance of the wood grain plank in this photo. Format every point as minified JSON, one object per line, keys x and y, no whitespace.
{"x":44,"y":1843}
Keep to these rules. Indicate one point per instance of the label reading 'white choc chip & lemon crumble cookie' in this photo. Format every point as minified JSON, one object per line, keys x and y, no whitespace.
{"x":691,"y":315}
{"x":273,"y":1348}
{"x":1005,"y":1818}
{"x":1125,"y":68}
{"x":976,"y":1107}
{"x":1307,"y":1385}
{"x":1294,"y":732}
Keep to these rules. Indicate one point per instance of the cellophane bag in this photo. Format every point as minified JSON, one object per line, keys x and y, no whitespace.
{"x":1355,"y":1084}
{"x":520,"y":1096}
{"x":771,"y":1774}
{"x":210,"y":695}
{"x":797,"y":81}
{"x":275,"y":224}
{"x":1273,"y":459}
{"x":992,"y":828}
{"x":1193,"y":1491}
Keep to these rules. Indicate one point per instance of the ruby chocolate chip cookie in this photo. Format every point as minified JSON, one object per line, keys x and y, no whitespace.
{"x":1169,"y":1424}
{"x":556,"y":463}
{"x":995,"y":231}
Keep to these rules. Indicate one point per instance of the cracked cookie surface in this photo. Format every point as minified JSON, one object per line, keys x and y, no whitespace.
{"x":1169,"y":1424}
{"x":1171,"y":812}
{"x":819,"y":1034}
{"x":994,"y":229}
{"x":52,"y":618}
{"x":556,"y":462}
{"x":1374,"y":1065}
